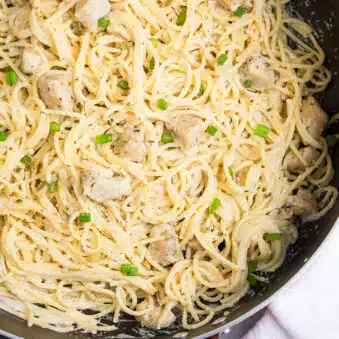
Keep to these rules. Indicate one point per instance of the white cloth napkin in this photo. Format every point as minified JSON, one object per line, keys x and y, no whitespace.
{"x":309,"y":308}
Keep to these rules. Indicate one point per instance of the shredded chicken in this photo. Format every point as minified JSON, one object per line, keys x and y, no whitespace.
{"x":30,"y":60}
{"x":294,"y":165}
{"x":256,"y":74}
{"x":131,"y":144}
{"x":155,"y":318}
{"x":313,"y":117}
{"x":56,"y":91}
{"x":166,"y":251}
{"x":102,"y":186}
{"x":303,"y":203}
{"x":88,"y":12}
{"x":187,"y":129}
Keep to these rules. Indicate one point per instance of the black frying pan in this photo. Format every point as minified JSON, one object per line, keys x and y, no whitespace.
{"x":321,"y":14}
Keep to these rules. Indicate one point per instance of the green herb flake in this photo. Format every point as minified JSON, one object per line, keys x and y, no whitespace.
{"x":222,"y":59}
{"x":11,"y":77}
{"x":239,"y":12}
{"x":262,"y":131}
{"x":26,"y":160}
{"x":53,"y":187}
{"x":252,"y":266}
{"x":154,"y":42}
{"x":104,"y":23}
{"x":182,"y":17}
{"x":85,"y":217}
{"x":103,"y":139}
{"x":211,"y":130}
{"x":3,"y":136}
{"x":272,"y":236}
{"x":252,"y":281}
{"x":123,"y":84}
{"x":167,"y":137}
{"x":214,"y":206}
{"x":162,"y":104}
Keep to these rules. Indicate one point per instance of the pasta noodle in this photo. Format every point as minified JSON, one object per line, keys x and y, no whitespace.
{"x":155,"y":156}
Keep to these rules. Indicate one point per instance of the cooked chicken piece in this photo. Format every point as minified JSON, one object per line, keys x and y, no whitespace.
{"x":88,"y":12}
{"x":56,"y":91}
{"x":131,"y":144}
{"x":294,"y":165}
{"x":303,"y":203}
{"x":283,"y":213}
{"x":102,"y":186}
{"x":234,"y":4}
{"x":155,"y":318}
{"x":30,"y":60}
{"x":187,"y":129}
{"x":166,"y":251}
{"x":313,"y":117}
{"x":256,"y":74}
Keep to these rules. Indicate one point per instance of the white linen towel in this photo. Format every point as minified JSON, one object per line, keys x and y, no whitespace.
{"x":309,"y":308}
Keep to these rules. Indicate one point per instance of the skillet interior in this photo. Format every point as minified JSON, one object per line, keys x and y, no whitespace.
{"x":322,"y":16}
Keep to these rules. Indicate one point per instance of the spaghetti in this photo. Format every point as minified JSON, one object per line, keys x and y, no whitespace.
{"x":154,"y":155}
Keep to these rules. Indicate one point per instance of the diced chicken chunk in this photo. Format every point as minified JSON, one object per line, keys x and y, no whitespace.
{"x":30,"y":60}
{"x":88,"y":12}
{"x":155,"y":318}
{"x":56,"y":91}
{"x":258,"y":72}
{"x":313,"y":117}
{"x":294,"y":165}
{"x":166,"y":251}
{"x":188,"y":129}
{"x":303,"y":203}
{"x":102,"y":186}
{"x":131,"y":144}
{"x":234,"y":4}
{"x":283,"y":213}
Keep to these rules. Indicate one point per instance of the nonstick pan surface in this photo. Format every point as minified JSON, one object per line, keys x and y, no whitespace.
{"x":322,"y":16}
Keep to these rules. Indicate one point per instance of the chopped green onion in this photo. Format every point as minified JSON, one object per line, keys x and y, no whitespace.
{"x":85,"y":217}
{"x":214,"y":206}
{"x":154,"y":42}
{"x":123,"y":84}
{"x":52,"y":187}
{"x":272,"y":236}
{"x":240,"y":11}
{"x":26,"y":160}
{"x":230,"y":171}
{"x":252,"y":281}
{"x":182,"y":17}
{"x":331,"y":141}
{"x":262,"y":131}
{"x":248,"y":83}
{"x":103,"y":139}
{"x":152,"y":64}
{"x":125,"y":268}
{"x":252,"y":266}
{"x":212,"y":130}
{"x":162,"y":104}
{"x":222,"y":59}
{"x":167,"y":137}
{"x":3,"y":136}
{"x":11,"y":77}
{"x":104,"y":23}
{"x":202,"y":88}
{"x":54,"y":127}
{"x":133,"y":272}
